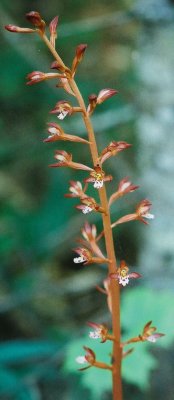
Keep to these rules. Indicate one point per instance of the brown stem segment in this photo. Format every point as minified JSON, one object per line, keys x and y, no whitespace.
{"x":112,"y":266}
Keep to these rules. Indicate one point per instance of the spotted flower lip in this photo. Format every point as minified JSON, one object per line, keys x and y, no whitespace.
{"x":62,"y":108}
{"x":122,"y":275}
{"x":87,"y":257}
{"x":97,"y":177}
{"x":57,"y":133}
{"x":65,"y":160}
{"x":100,"y":332}
{"x":113,"y":149}
{"x":125,"y":186}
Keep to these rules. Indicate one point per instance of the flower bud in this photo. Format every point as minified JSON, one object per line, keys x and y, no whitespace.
{"x":18,"y":29}
{"x":105,"y":94}
{"x":35,"y":19}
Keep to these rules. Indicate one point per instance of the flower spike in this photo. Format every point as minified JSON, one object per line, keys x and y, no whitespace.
{"x":65,"y":160}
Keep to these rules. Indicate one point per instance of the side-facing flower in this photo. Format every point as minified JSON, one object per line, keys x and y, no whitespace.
{"x":87,"y":257}
{"x":76,"y":190}
{"x":38,"y":76}
{"x":122,"y":275}
{"x":149,"y":334}
{"x":80,"y":50}
{"x":62,"y":109}
{"x":113,"y":149}
{"x":98,"y":177}
{"x":65,"y":160}
{"x":101,"y":331}
{"x":88,"y":205}
{"x":57,"y":133}
{"x":124,"y":187}
{"x":103,"y":95}
{"x":142,"y":211}
{"x":88,"y":358}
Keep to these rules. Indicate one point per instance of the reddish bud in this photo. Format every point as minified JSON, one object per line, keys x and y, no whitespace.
{"x":53,"y":33}
{"x":18,"y":29}
{"x":80,"y":49}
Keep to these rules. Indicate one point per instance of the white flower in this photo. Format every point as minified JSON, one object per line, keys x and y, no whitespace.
{"x":148,"y":216}
{"x":86,"y":210}
{"x":151,"y":339}
{"x":123,"y":280}
{"x":62,"y":114}
{"x":81,"y":360}
{"x":78,"y":260}
{"x":95,"y":334}
{"x":98,"y":184}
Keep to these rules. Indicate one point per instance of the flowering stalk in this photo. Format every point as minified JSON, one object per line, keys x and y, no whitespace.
{"x":89,"y":251}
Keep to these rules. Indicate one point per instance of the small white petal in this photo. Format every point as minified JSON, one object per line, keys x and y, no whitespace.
{"x":95,"y":334}
{"x":123,"y":280}
{"x":149,"y":216}
{"x":151,"y":339}
{"x":52,"y":130}
{"x":125,"y":186}
{"x":81,"y":360}
{"x":78,"y":260}
{"x":86,"y":210}
{"x":98,"y":184}
{"x":35,"y":77}
{"x":59,"y":157}
{"x":62,"y":114}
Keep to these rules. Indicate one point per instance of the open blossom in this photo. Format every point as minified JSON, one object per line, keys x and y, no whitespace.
{"x":62,"y":108}
{"x":149,"y":334}
{"x":88,"y":205}
{"x":57,"y":133}
{"x":97,"y":177}
{"x":65,"y":160}
{"x":124,"y":187}
{"x":87,"y":257}
{"x":113,"y":149}
{"x":123,"y":275}
{"x":142,"y":211}
{"x":100,"y":332}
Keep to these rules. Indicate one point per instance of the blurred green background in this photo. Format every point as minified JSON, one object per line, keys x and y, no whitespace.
{"x":45,"y":299}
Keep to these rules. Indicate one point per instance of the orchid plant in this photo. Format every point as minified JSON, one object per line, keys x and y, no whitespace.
{"x":88,"y":250}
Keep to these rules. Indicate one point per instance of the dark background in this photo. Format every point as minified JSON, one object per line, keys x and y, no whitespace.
{"x":46,"y":299}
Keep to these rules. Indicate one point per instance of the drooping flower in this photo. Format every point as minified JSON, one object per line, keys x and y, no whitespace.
{"x":123,"y":275}
{"x":57,"y":133}
{"x":142,"y":211}
{"x":97,"y":177}
{"x":65,"y":160}
{"x":113,"y":149}
{"x":124,"y":187}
